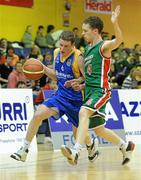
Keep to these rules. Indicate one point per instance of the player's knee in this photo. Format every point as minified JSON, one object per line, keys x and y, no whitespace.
{"x":83,"y":114}
{"x":38,"y":117}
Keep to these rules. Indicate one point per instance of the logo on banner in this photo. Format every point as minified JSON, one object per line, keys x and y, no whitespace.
{"x":14,"y":116}
{"x":98,"y":6}
{"x":131,"y":109}
{"x":16,"y":111}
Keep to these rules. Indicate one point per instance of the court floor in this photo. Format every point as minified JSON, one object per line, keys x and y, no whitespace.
{"x":51,"y":165}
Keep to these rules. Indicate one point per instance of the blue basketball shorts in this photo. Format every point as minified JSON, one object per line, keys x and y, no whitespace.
{"x":64,"y":106}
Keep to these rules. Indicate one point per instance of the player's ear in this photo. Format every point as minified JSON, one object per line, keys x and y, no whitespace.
{"x":95,"y":30}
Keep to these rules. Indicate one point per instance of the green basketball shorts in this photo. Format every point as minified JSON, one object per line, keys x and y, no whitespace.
{"x":95,"y":100}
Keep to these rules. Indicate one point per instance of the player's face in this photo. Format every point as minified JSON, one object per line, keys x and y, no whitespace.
{"x":19,"y":67}
{"x":88,"y":33}
{"x":65,"y":47}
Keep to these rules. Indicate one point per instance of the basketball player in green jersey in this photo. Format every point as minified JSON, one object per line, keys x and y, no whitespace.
{"x":97,"y":88}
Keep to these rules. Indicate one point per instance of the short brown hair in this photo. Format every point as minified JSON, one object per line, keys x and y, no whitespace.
{"x":68,"y":36}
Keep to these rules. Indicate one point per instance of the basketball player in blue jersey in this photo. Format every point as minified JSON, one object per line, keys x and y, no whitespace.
{"x":97,"y":88}
{"x":68,"y":65}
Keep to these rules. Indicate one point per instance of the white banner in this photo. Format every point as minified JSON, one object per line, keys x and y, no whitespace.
{"x":130,"y":104}
{"x":16,"y":111}
{"x":98,"y":6}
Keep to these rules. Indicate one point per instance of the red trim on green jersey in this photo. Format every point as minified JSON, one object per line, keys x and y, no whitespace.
{"x":103,"y":99}
{"x":105,"y":71}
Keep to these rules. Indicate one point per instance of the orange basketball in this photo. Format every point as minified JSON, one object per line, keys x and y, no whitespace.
{"x":33,"y":69}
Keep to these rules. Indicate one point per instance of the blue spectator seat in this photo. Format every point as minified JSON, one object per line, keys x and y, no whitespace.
{"x":19,"y":51}
{"x":45,"y":50}
{"x":26,"y":51}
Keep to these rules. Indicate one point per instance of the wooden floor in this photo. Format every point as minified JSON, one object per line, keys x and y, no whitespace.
{"x":50,"y":165}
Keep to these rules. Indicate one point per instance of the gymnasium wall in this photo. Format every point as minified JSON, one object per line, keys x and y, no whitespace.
{"x":13,"y":20}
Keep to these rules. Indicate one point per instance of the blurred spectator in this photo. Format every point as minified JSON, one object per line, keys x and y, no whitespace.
{"x":131,"y":81}
{"x":105,"y":35}
{"x":3,"y":82}
{"x":120,"y":53}
{"x":22,"y":59}
{"x":15,"y":76}
{"x":49,"y":39}
{"x":139,"y":85}
{"x":21,"y":84}
{"x":40,"y":39}
{"x":27,"y":39}
{"x":77,"y":38}
{"x":3,"y":50}
{"x":5,"y":70}
{"x":48,"y":59}
{"x":56,"y":37}
{"x":112,"y":74}
{"x":132,"y":60}
{"x":122,"y":66}
{"x":79,"y":41}
{"x":11,"y":57}
{"x":36,"y":53}
{"x":136,"y":54}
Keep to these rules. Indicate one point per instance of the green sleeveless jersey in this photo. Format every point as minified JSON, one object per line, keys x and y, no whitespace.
{"x":97,"y":67}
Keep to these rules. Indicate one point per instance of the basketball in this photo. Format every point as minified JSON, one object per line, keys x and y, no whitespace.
{"x":33,"y":69}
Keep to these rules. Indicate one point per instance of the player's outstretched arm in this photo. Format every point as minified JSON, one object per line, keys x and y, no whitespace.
{"x":117,"y":30}
{"x":109,"y":45}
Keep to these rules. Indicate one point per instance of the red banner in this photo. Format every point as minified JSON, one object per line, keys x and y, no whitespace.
{"x":98,"y":6}
{"x":21,"y":3}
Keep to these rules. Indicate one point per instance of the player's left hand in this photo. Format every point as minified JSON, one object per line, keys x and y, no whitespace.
{"x":71,"y":82}
{"x":115,"y":14}
{"x":76,"y":86}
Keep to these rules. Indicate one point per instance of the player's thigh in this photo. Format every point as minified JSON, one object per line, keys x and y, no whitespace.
{"x":44,"y":112}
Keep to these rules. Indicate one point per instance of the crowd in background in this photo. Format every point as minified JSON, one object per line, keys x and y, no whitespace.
{"x":125,"y":66}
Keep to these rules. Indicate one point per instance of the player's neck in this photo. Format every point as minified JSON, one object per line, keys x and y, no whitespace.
{"x":63,"y":58}
{"x":96,"y":41}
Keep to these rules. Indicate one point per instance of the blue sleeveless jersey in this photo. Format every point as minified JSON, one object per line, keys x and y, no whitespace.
{"x":66,"y":100}
{"x":64,"y":72}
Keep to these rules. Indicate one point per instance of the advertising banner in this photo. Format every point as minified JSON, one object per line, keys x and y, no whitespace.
{"x":61,"y":129}
{"x":98,"y":6}
{"x":130,"y":104}
{"x":16,"y":111}
{"x":21,"y":3}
